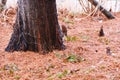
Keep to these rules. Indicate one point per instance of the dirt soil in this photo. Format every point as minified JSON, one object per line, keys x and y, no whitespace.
{"x":86,"y":57}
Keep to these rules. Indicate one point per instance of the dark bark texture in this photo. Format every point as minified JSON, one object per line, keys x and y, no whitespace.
{"x":102,"y":9}
{"x":36,"y":28}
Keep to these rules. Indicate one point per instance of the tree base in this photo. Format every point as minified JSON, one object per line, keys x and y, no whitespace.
{"x":36,"y":27}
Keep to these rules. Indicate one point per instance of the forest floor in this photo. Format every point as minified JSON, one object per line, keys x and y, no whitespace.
{"x":86,"y":56}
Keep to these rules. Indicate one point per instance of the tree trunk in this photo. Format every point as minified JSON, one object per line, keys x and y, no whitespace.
{"x":103,"y":10}
{"x":36,"y":28}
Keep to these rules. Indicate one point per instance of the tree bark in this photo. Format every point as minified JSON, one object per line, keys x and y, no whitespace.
{"x":102,"y":9}
{"x":36,"y":27}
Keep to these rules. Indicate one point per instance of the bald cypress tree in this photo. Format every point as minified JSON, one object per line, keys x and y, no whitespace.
{"x":36,"y":27}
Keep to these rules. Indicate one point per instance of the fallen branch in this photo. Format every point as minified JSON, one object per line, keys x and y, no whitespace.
{"x":102,"y":9}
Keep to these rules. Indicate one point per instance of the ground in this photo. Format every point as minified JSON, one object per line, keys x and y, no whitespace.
{"x":86,"y":57}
